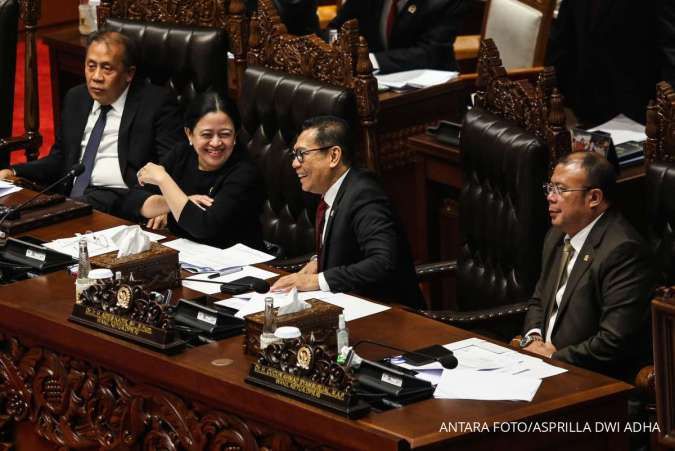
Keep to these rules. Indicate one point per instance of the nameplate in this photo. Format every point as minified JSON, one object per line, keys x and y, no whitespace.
{"x":299,"y":384}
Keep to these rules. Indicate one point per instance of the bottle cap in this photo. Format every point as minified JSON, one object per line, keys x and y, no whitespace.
{"x":100,"y":273}
{"x":287,"y":332}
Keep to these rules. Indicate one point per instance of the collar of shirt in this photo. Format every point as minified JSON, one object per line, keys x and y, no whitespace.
{"x":329,"y":196}
{"x":117,"y":105}
{"x":578,"y":240}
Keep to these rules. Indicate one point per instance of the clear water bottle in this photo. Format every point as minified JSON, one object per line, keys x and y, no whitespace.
{"x":267,"y":336}
{"x":83,"y":268}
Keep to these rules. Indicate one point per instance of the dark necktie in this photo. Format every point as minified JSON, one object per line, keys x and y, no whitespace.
{"x":82,"y":182}
{"x":567,"y":253}
{"x":391,"y":18}
{"x":320,"y":221}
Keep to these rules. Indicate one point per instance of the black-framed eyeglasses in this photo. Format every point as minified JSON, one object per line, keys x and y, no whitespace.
{"x":552,"y":188}
{"x":300,"y":154}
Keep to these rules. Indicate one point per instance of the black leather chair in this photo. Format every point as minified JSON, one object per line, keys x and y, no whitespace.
{"x":187,"y":60}
{"x":503,"y":220}
{"x":273,"y":106}
{"x":9,"y":19}
{"x":660,"y":197}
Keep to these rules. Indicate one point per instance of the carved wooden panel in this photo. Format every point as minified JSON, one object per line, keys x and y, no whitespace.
{"x":663,"y":313}
{"x":344,"y":63}
{"x":204,"y":13}
{"x":537,"y":108}
{"x":76,"y":405}
{"x":660,"y":129}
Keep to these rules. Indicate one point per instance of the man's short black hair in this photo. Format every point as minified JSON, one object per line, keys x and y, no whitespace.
{"x":600,"y":173}
{"x":332,"y":131}
{"x":108,"y":37}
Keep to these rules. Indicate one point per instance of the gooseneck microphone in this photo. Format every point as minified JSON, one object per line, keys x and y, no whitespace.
{"x":253,"y":284}
{"x":15,"y":212}
{"x":448,"y":361}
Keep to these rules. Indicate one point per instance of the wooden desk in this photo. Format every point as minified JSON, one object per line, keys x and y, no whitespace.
{"x":82,"y":389}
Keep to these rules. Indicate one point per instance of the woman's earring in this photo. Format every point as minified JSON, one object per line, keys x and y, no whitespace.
{"x":190,"y":141}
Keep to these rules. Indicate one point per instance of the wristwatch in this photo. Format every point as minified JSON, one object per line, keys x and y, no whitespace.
{"x":527,"y":339}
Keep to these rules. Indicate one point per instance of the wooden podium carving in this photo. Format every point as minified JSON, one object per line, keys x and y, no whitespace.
{"x":660,"y":129}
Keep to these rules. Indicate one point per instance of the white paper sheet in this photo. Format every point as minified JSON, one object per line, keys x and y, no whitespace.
{"x":213,"y":288}
{"x":209,"y":258}
{"x":486,"y":386}
{"x":622,"y":129}
{"x":354,"y":307}
{"x":8,"y":188}
{"x":97,"y":242}
{"x":418,"y":78}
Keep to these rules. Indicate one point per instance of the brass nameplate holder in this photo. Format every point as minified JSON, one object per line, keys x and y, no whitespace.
{"x":127,"y":311}
{"x":308,"y":373}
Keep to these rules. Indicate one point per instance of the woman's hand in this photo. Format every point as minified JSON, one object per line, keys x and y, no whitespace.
{"x":151,"y":173}
{"x":158,"y":222}
{"x":201,"y":200}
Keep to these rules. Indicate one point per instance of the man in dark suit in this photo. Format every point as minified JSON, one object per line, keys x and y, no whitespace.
{"x":590,"y":306}
{"x":407,"y":34}
{"x":112,"y":124}
{"x":360,"y":245}
{"x":606,"y":57}
{"x":299,"y":16}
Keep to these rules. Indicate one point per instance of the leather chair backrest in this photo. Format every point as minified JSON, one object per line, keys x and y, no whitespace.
{"x":660,"y":194}
{"x":503,"y":213}
{"x":273,"y":106}
{"x":9,"y":18}
{"x":187,"y":60}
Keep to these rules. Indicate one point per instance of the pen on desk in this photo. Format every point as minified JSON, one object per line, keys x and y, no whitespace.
{"x":225,"y":272}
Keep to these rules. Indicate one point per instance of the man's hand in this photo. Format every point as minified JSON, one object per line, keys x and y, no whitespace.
{"x":6,"y":174}
{"x":303,"y":282}
{"x":310,"y":268}
{"x":158,"y":222}
{"x":541,"y":348}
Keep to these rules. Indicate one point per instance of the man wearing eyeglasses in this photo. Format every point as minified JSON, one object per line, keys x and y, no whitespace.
{"x":590,"y":306}
{"x":360,"y":246}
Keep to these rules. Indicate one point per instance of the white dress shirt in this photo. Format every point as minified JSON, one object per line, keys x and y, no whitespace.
{"x":106,"y":170}
{"x":329,"y":198}
{"x":577,"y":242}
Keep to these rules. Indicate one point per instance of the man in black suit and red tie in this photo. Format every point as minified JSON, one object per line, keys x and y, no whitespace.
{"x":407,"y":34}
{"x":113,"y":125}
{"x":361,"y":247}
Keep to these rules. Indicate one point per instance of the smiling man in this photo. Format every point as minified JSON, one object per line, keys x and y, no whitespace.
{"x":590,"y":306}
{"x":112,"y":124}
{"x":360,"y":245}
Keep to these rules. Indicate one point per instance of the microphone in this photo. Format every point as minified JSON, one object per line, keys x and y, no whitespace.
{"x":448,"y":361}
{"x":251,"y":284}
{"x":12,"y":213}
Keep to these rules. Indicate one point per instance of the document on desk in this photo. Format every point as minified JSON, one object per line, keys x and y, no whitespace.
{"x":418,"y":78}
{"x":202,"y":257}
{"x":354,"y":307}
{"x":212,"y":288}
{"x":485,"y":386}
{"x":98,"y":243}
{"x":8,"y":188}
{"x":622,"y":129}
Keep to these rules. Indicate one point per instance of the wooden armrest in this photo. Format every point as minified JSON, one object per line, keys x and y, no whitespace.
{"x":290,"y":264}
{"x":475,"y":316}
{"x":428,"y":270}
{"x":466,"y":46}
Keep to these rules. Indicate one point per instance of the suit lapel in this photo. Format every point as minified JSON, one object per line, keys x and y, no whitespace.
{"x":130,"y":108}
{"x":333,"y":212}
{"x":405,"y":18}
{"x":583,"y":262}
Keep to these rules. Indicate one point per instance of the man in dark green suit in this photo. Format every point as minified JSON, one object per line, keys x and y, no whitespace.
{"x":590,"y":306}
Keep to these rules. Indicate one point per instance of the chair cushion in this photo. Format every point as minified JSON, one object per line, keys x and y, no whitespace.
{"x":514,"y":26}
{"x":273,"y":106}
{"x":503,"y":213}
{"x":660,"y":180}
{"x":187,"y":60}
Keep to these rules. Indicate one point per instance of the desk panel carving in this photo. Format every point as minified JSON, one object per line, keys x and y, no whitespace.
{"x":77,"y":405}
{"x":204,"y":13}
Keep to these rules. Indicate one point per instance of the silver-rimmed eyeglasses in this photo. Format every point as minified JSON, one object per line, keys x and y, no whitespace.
{"x":299,"y":154}
{"x":552,"y":188}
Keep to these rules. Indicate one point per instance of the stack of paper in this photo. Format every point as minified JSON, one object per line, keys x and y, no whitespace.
{"x":622,"y":129}
{"x":419,"y":78}
{"x":201,"y":257}
{"x":97,"y":242}
{"x":353,"y":306}
{"x":8,"y":188}
{"x":485,"y":385}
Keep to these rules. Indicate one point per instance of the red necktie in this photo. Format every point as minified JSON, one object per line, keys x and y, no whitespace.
{"x":391,"y":18}
{"x":318,"y":231}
